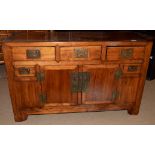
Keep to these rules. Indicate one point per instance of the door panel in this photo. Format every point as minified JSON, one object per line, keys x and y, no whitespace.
{"x":27,"y":93}
{"x":57,"y":85}
{"x":102,"y":84}
{"x":127,"y":88}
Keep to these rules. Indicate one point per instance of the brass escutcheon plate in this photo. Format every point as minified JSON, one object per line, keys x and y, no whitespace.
{"x":81,"y":53}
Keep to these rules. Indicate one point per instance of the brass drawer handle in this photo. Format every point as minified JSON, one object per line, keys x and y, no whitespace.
{"x":33,"y":54}
{"x":24,"y":70}
{"x":132,"y":68}
{"x":126,"y":53}
{"x":81,"y":53}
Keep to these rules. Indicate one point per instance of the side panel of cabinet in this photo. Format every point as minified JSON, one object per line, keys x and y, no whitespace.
{"x":57,"y":85}
{"x":102,"y":85}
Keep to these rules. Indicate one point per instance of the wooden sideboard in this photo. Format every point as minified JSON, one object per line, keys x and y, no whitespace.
{"x":77,"y":71}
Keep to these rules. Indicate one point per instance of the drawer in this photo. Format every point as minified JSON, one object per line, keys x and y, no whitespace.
{"x":33,"y":53}
{"x":131,"y":68}
{"x":80,"y":53}
{"x":25,"y":73}
{"x":21,"y":71}
{"x":125,"y":53}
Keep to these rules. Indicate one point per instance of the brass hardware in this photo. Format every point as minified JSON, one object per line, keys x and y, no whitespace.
{"x":115,"y":95}
{"x":81,"y":53}
{"x":132,"y":68}
{"x":85,"y":81}
{"x":118,"y":74}
{"x":24,"y":70}
{"x":43,"y":98}
{"x":33,"y":54}
{"x":74,"y":82}
{"x":126,"y":53}
{"x":40,"y":76}
{"x":80,"y":81}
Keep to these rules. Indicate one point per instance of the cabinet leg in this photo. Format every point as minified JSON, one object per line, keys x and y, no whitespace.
{"x":133,"y":111}
{"x":20,"y":117}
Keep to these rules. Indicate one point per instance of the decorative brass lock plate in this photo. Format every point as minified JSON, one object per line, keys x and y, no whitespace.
{"x":118,"y":74}
{"x":115,"y":95}
{"x":126,"y":53}
{"x":80,"y":81}
{"x":85,"y":81}
{"x":40,"y":76}
{"x":43,"y":98}
{"x":81,"y":53}
{"x":33,"y":54}
{"x":74,"y":82}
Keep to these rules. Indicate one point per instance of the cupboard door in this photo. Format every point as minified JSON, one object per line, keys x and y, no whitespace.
{"x":102,"y":86}
{"x":57,"y":85}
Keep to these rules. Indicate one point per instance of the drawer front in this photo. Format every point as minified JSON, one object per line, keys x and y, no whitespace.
{"x":80,"y":53}
{"x":23,"y":71}
{"x":131,"y":68}
{"x":33,"y":53}
{"x":125,"y":53}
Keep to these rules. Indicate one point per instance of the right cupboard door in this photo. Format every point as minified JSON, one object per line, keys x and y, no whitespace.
{"x":103,"y":84}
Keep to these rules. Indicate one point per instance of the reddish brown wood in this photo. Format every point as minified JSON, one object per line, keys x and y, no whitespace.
{"x":58,"y":61}
{"x":102,"y":84}
{"x":57,"y":85}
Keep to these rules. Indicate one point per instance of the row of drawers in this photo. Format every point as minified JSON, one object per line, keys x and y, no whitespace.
{"x":26,"y":71}
{"x":30,"y":71}
{"x":84,"y":53}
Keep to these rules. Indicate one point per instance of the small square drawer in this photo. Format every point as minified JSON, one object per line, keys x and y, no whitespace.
{"x":131,"y":68}
{"x":33,"y":53}
{"x":80,"y":53}
{"x":22,"y":71}
{"x":125,"y":53}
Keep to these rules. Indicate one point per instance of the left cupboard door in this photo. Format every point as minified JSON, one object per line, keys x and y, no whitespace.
{"x":60,"y":85}
{"x":27,"y":87}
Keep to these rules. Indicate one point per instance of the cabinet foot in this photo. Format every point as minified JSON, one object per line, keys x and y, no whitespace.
{"x":133,"y":111}
{"x":20,"y":117}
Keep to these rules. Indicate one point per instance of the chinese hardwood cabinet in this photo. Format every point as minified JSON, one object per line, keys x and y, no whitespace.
{"x":77,"y":71}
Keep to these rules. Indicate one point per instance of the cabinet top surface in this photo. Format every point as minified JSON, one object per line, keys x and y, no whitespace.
{"x":79,"y":36}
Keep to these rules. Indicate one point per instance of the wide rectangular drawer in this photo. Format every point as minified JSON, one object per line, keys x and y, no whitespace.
{"x":131,"y":68}
{"x":125,"y":53}
{"x":33,"y":53}
{"x":80,"y":53}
